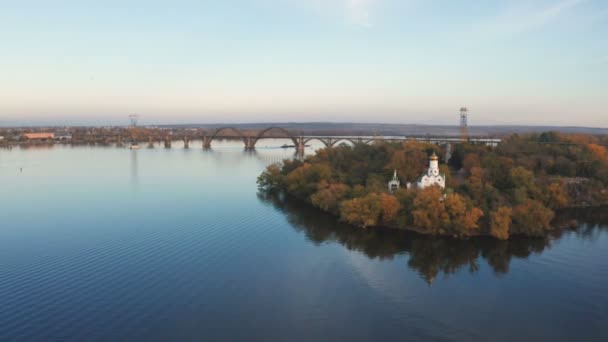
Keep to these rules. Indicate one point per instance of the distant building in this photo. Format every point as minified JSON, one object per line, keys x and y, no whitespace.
{"x":394,"y":184}
{"x":63,"y":136}
{"x":38,"y":136}
{"x":432,"y":177}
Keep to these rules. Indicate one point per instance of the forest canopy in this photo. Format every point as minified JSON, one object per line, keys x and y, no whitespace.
{"x":512,"y":188}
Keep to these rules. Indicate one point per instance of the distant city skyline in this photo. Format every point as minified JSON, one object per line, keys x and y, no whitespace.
{"x":534,"y":62}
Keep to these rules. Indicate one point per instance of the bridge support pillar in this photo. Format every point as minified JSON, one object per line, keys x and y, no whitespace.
{"x":448,"y":152}
{"x":150,"y":142}
{"x":206,"y":142}
{"x":119,"y":142}
{"x":167,"y":142}
{"x":249,"y":143}
{"x":300,"y":144}
{"x":186,"y":142}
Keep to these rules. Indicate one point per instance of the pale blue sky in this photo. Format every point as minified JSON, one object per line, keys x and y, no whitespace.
{"x":405,"y":61}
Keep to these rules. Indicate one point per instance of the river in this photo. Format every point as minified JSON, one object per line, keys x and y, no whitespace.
{"x":111,"y":244}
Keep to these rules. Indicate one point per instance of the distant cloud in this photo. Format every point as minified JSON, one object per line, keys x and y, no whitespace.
{"x":525,"y":16}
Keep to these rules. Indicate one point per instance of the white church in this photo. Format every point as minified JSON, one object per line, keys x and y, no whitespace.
{"x":432,"y":177}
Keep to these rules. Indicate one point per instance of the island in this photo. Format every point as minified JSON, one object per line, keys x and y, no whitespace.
{"x":461,"y":190}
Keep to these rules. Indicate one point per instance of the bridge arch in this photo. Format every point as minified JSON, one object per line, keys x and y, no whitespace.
{"x":287,"y":133}
{"x":281,"y":129}
{"x":342,"y":140}
{"x":248,"y":140}
{"x":324,"y":141}
{"x":207,"y":139}
{"x":222,"y":129}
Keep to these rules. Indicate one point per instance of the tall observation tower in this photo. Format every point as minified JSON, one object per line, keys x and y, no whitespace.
{"x":464,"y":123}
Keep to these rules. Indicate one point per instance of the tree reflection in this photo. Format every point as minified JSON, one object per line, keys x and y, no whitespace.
{"x":428,"y":256}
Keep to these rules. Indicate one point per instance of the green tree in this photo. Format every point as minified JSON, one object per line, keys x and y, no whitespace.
{"x":303,"y":181}
{"x":531,"y":218}
{"x":271,"y":179}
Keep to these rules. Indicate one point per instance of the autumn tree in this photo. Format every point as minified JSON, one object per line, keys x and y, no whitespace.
{"x":303,"y":181}
{"x":406,"y":199}
{"x":463,"y":216}
{"x":390,"y":208}
{"x":376,"y":183}
{"x":531,"y":218}
{"x":556,"y":195}
{"x":500,"y":222}
{"x":371,"y":210}
{"x":524,"y":185}
{"x":363,"y":211}
{"x":598,"y":151}
{"x":430,"y":214}
{"x":475,"y":183}
{"x":470,"y":161}
{"x":329,"y":196}
{"x":410,"y":161}
{"x":271,"y":179}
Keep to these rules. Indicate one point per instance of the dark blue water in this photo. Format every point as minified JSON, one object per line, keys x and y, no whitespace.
{"x":110,"y":244}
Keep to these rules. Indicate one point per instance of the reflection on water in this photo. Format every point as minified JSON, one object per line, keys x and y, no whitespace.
{"x":430,"y":257}
{"x":134,"y":169}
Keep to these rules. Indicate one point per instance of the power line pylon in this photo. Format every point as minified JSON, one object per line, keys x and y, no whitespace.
{"x":134,"y":133}
{"x":464,"y":124}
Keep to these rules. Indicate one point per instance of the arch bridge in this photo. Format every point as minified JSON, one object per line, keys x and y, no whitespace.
{"x":251,"y":138}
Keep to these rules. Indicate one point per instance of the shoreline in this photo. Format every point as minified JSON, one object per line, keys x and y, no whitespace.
{"x":559,"y":223}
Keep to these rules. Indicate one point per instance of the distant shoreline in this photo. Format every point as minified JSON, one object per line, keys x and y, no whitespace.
{"x":398,"y":128}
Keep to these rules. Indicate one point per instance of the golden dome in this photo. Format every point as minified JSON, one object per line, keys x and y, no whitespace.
{"x":434,"y":157}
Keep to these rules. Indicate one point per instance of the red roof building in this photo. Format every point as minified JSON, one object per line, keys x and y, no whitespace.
{"x":38,"y":136}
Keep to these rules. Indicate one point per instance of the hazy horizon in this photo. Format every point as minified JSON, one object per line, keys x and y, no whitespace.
{"x":541,"y":62}
{"x":88,"y":122}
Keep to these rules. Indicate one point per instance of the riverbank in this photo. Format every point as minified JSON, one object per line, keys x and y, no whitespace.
{"x":565,"y":219}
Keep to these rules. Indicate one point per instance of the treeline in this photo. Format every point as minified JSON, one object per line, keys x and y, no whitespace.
{"x":513,"y":188}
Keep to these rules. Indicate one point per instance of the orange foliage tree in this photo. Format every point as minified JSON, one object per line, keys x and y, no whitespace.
{"x":390,"y":208}
{"x":430,"y":213}
{"x":500,"y":222}
{"x":464,"y":217}
{"x":598,"y":151}
{"x":362,"y":211}
{"x":556,"y":195}
{"x":329,"y":196}
{"x":371,"y":210}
